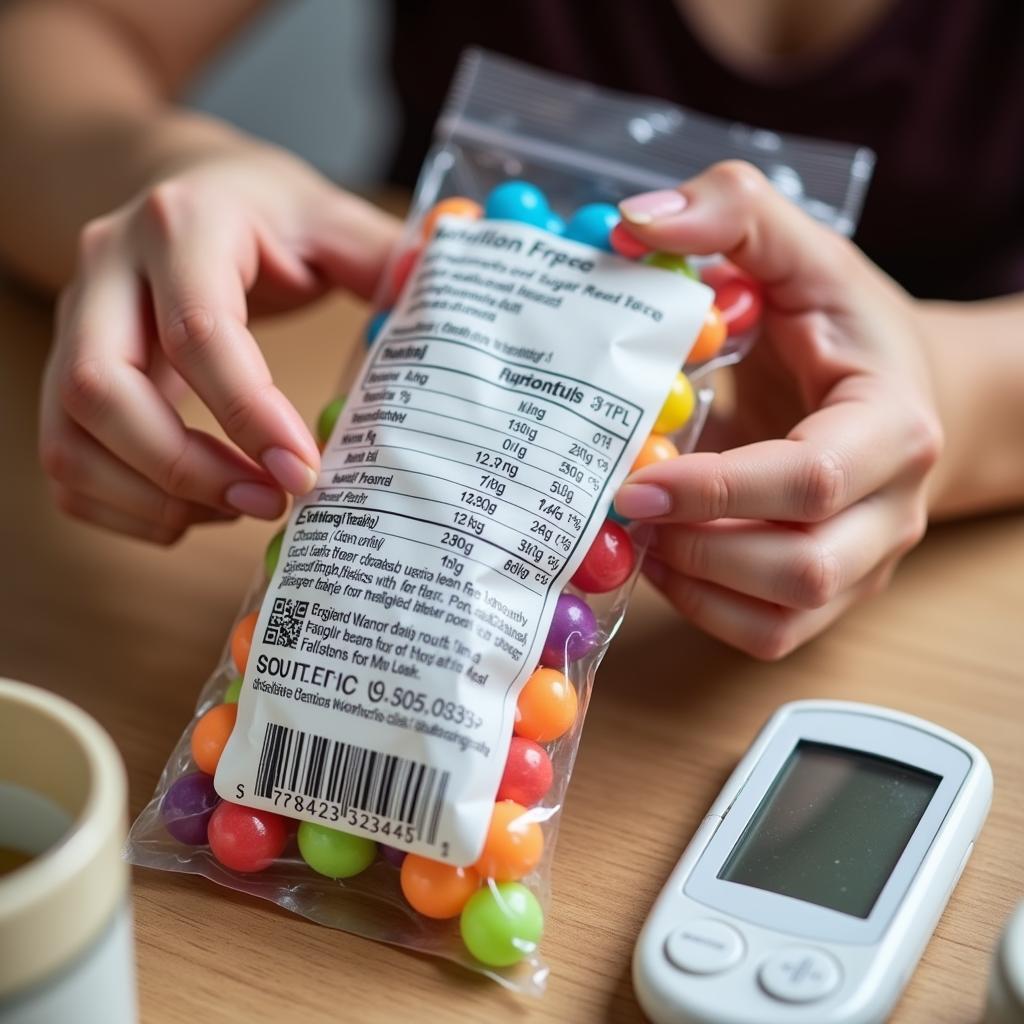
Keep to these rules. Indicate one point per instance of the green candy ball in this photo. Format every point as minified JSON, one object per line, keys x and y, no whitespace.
{"x":233,"y":690}
{"x":501,"y":923}
{"x":671,"y":261}
{"x":328,"y":417}
{"x":273,"y":553}
{"x":333,"y":853}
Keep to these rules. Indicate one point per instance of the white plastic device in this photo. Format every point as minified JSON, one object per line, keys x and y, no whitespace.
{"x":812,"y":886}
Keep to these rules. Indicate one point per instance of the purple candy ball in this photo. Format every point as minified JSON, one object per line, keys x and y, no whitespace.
{"x":392,"y":855}
{"x":187,"y":807}
{"x":572,"y":634}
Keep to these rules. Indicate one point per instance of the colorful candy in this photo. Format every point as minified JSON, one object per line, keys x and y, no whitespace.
{"x":234,"y":690}
{"x":547,"y":706}
{"x":740,"y":303}
{"x":528,"y":773}
{"x":501,"y":924}
{"x":572,"y":633}
{"x":656,"y":448}
{"x":514,"y":844}
{"x":554,"y":224}
{"x":671,"y":261}
{"x":609,"y":561}
{"x":435,"y":889}
{"x":374,"y":325}
{"x":332,"y":853}
{"x":711,"y":338}
{"x":593,"y":225}
{"x":245,"y":839}
{"x":518,"y":200}
{"x":210,"y":736}
{"x":241,"y":641}
{"x":454,"y":206}
{"x":187,"y":807}
{"x":273,"y":553}
{"x":626,"y":244}
{"x":326,"y":420}
{"x":678,"y":407}
{"x":394,"y":856}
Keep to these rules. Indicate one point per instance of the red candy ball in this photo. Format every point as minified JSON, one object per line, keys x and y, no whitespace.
{"x":626,"y":244}
{"x":609,"y":561}
{"x":528,"y":773}
{"x":246,"y":839}
{"x":404,"y":266}
{"x":737,"y":296}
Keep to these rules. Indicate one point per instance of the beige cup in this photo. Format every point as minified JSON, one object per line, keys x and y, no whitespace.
{"x":65,"y":928}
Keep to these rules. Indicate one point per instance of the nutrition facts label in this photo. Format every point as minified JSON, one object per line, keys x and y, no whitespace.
{"x":474,"y":461}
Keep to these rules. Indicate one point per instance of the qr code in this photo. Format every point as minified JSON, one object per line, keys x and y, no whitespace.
{"x":286,"y":620}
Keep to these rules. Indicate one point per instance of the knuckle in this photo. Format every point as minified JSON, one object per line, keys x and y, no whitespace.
{"x":687,"y":599}
{"x":739,"y":176}
{"x":173,"y":515}
{"x":163,"y":204}
{"x":774,"y":640}
{"x":915,"y":526}
{"x":85,"y":389}
{"x":189,"y":332}
{"x":816,"y":576}
{"x":94,"y":237}
{"x":713,"y":494}
{"x":240,"y":409}
{"x":826,"y":485}
{"x":694,"y":552}
{"x":176,"y":477}
{"x":57,"y":459}
{"x":926,"y":442}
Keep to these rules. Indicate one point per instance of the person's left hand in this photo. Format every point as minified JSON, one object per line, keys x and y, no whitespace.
{"x":818,"y":485}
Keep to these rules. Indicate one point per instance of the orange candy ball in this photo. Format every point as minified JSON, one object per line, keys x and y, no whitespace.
{"x":711,"y":338}
{"x":546,"y":707}
{"x":514,"y":844}
{"x":241,"y":641}
{"x":210,"y":736}
{"x":437,"y":890}
{"x":455,"y":206}
{"x":657,"y":448}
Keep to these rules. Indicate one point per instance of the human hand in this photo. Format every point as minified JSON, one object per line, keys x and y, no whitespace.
{"x":818,"y":485}
{"x":159,"y":302}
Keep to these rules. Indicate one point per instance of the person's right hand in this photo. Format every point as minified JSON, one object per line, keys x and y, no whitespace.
{"x":160,"y":299}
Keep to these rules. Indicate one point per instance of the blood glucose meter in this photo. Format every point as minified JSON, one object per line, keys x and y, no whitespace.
{"x":818,"y":875}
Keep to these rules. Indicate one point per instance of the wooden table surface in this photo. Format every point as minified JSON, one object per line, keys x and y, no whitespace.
{"x":130,"y":633}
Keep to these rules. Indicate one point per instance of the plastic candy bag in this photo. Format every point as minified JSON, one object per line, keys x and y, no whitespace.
{"x":386,"y":743}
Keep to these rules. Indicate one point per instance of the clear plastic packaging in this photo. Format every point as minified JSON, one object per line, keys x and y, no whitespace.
{"x":579,"y":145}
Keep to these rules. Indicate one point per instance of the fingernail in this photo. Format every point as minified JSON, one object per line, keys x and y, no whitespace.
{"x":655,"y":571}
{"x":294,"y":475}
{"x":257,"y":500}
{"x":642,"y":501}
{"x":648,"y":207}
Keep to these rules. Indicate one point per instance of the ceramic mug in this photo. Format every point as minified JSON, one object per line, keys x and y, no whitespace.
{"x":66,"y":953}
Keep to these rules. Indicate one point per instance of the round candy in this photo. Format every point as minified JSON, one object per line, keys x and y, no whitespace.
{"x":501,"y":924}
{"x":711,"y":338}
{"x":435,"y":889}
{"x":404,"y":266}
{"x":374,"y":324}
{"x":241,"y":641}
{"x":657,"y":448}
{"x":518,"y":200}
{"x":325,"y":421}
{"x":627,"y":245}
{"x":678,"y":407}
{"x":273,"y":553}
{"x":514,"y":844}
{"x":554,"y":224}
{"x":528,"y":773}
{"x":671,"y":261}
{"x":593,"y":225}
{"x":609,"y":561}
{"x":454,"y":206}
{"x":187,"y":807}
{"x":246,"y":839}
{"x":740,"y":303}
{"x":332,"y":853}
{"x":210,"y":736}
{"x":393,"y":855}
{"x":547,"y":706}
{"x":572,"y":632}
{"x":714,"y":275}
{"x":232,"y":693}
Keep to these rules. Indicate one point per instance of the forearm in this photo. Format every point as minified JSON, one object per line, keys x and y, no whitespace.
{"x":86,"y":122}
{"x":977,"y":354}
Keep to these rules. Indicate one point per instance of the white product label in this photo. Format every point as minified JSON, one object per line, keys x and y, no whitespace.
{"x":496,"y":415}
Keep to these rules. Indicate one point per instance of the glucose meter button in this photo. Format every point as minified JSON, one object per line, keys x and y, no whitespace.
{"x":704,"y":946}
{"x":799,"y":974}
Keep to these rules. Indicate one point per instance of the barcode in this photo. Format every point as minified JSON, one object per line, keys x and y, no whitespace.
{"x":352,"y":777}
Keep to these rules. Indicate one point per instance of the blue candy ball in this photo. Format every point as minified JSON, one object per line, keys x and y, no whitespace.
{"x":555,"y":224}
{"x":518,"y":200}
{"x":375,"y":323}
{"x":592,"y":225}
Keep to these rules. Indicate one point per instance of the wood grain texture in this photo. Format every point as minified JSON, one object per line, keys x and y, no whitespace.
{"x":130,"y":634}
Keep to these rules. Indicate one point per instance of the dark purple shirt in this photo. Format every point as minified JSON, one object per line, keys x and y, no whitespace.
{"x":935,"y":88}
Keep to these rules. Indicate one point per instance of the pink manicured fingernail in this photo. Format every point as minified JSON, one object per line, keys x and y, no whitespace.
{"x":648,"y":207}
{"x":294,"y":475}
{"x":642,"y":501}
{"x":257,"y":500}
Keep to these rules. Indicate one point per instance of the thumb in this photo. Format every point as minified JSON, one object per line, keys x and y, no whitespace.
{"x":733,"y":209}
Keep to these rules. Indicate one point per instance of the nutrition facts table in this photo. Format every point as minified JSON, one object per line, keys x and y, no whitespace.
{"x":482,"y":458}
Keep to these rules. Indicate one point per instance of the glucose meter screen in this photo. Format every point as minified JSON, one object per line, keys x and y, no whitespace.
{"x":831,"y":828}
